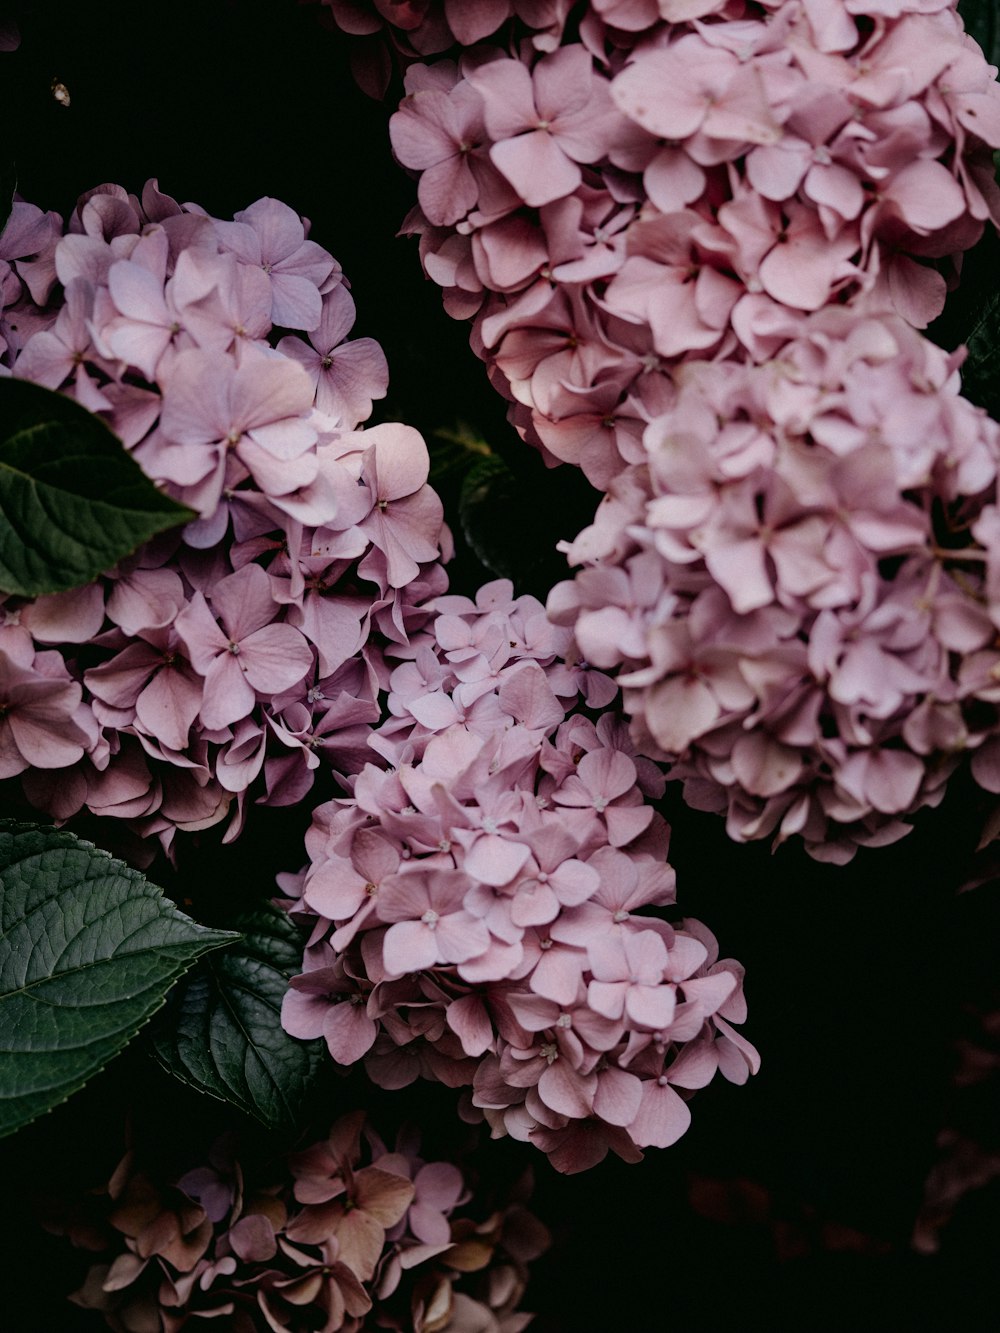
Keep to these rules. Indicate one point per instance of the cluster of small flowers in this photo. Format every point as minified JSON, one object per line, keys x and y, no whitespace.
{"x":635,"y":221}
{"x":478,"y":910}
{"x":348,"y":1236}
{"x":605,"y":214}
{"x":410,"y":30}
{"x":245,"y":645}
{"x":792,"y":588}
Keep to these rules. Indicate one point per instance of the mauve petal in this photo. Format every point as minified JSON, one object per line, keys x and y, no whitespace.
{"x":673,"y":180}
{"x":776,"y":170}
{"x":508,"y":97}
{"x":695,"y":1067}
{"x":574,"y":882}
{"x":461,"y":937}
{"x":243,"y":602}
{"x":926,"y":195}
{"x":563,"y":82}
{"x":607,"y":998}
{"x":495,"y":860}
{"x":800,"y":272}
{"x":663,"y":1117}
{"x":357,"y":374}
{"x":557,"y":975}
{"x":564,"y":1090}
{"x":295,"y":302}
{"x":45,"y":742}
{"x":678,"y":710}
{"x":472,"y":20}
{"x":168,"y":706}
{"x":537,"y":167}
{"x":534,"y":905}
{"x":650,"y":1006}
{"x":428,"y":1224}
{"x":196,"y":407}
{"x":360,"y":1238}
{"x":147,"y":599}
{"x":66,"y":617}
{"x":138,"y":294}
{"x":711,"y":992}
{"x":653,"y":93}
{"x":398,"y":464}
{"x":468,"y":1019}
{"x":685,"y":956}
{"x":45,"y":359}
{"x":423,"y":132}
{"x":268,"y":389}
{"x":349,"y":1032}
{"x":439,"y":1184}
{"x":408,"y":946}
{"x":892,"y":780}
{"x":626,"y":822}
{"x":383,"y":1195}
{"x":275,"y":658}
{"x":252,"y":1239}
{"x":198,"y":630}
{"x":303,"y":1015}
{"x":447,"y":191}
{"x":918,"y":292}
{"x":228,"y":697}
{"x":618,"y":1096}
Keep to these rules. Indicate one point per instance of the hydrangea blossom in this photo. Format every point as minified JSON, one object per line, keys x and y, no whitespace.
{"x":234,"y":655}
{"x":793,"y":585}
{"x":342,"y":1229}
{"x":479,"y":910}
{"x":666,"y":187}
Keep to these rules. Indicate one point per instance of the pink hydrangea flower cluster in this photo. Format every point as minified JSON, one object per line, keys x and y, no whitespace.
{"x":246,"y":647}
{"x":794,"y":588}
{"x":345,"y":1235}
{"x":635,"y":221}
{"x":409,"y":30}
{"x":479,"y":910}
{"x":607,"y":210}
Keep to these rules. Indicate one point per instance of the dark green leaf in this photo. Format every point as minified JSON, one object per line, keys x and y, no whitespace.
{"x":981,"y":370}
{"x":222,"y":1030}
{"x":72,"y":500}
{"x":88,"y":950}
{"x":454,"y":452}
{"x":487,"y":509}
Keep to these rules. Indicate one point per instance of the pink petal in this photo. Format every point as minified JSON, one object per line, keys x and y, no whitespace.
{"x":349,"y":1032}
{"x":663,"y":1117}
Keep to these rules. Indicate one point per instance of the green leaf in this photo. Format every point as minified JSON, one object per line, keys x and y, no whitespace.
{"x":981,"y":369}
{"x":72,"y":500}
{"x":222,"y":1030}
{"x":88,"y":950}
{"x":453,"y":452}
{"x":486,"y":510}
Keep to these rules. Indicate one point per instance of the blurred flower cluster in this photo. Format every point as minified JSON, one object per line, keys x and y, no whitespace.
{"x":478,"y":909}
{"x":245,"y":649}
{"x":344,"y":1235}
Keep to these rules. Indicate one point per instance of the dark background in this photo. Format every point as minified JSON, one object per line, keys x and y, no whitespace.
{"x":790,"y":1202}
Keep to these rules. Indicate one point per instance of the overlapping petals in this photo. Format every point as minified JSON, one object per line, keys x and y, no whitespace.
{"x":479,"y":911}
{"x":314,"y":1240}
{"x":241,"y":653}
{"x":805,"y":619}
